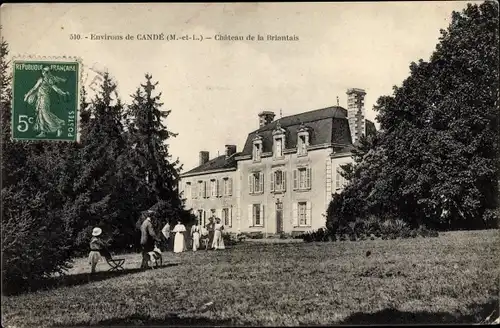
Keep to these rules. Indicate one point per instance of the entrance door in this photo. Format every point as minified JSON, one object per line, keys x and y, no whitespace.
{"x":279,"y":217}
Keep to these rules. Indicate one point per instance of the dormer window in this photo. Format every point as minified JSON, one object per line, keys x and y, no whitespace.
{"x":279,"y":147}
{"x":278,"y":142}
{"x":257,"y":148}
{"x":302,"y":141}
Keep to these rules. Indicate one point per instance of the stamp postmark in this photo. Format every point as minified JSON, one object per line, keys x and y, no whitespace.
{"x":46,"y":98}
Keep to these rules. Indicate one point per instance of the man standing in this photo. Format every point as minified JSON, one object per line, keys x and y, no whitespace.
{"x":166,"y":233}
{"x":148,"y":238}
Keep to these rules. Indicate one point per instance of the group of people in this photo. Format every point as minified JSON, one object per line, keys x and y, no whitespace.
{"x":210,"y":236}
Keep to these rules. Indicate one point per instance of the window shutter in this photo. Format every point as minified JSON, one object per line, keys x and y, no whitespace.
{"x":205,"y":189}
{"x":250,"y":215}
{"x":337,"y":179}
{"x":230,"y":186}
{"x":308,"y":213}
{"x":283,"y":179}
{"x":230,"y":214}
{"x":308,"y":178}
{"x":250,"y":183}
{"x":219,"y":193}
{"x":193,"y":191}
{"x":295,"y":181}
{"x":262,"y":214}
{"x":272,"y":181}
{"x":261,"y":182}
{"x":204,"y":217}
{"x":295,"y":215}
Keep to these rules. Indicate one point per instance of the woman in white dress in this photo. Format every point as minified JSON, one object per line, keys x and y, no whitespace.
{"x":179,"y":240}
{"x":218,"y":242}
{"x":195,"y":234}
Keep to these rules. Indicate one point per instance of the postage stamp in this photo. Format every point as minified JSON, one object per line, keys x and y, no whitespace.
{"x":46,"y":98}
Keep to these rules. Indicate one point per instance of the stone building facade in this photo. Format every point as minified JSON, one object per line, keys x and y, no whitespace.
{"x":283,"y":179}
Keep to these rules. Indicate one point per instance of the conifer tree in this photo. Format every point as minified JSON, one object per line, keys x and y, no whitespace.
{"x":156,"y":172}
{"x":98,"y":191}
{"x":35,"y":239}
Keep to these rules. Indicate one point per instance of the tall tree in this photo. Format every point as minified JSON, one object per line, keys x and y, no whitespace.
{"x":439,"y":130}
{"x":97,"y":189}
{"x":156,"y":172}
{"x":35,"y":239}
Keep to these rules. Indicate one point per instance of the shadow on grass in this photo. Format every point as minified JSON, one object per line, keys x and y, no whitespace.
{"x":76,"y":279}
{"x":172,"y":320}
{"x":478,"y":313}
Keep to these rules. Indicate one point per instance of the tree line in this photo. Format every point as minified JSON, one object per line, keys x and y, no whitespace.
{"x":54,"y":193}
{"x":434,"y":161}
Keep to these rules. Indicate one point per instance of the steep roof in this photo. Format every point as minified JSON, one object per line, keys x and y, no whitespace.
{"x":327,"y":125}
{"x":217,"y":163}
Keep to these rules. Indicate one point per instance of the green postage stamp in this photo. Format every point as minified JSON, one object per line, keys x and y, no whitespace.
{"x":46,"y":98}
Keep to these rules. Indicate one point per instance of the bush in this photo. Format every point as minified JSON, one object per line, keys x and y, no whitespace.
{"x":393,"y":228}
{"x":423,"y":231}
{"x":240,"y":237}
{"x":230,"y":239}
{"x":285,"y":235}
{"x":297,"y":234}
{"x":32,"y":248}
{"x":372,"y":226}
{"x":252,"y":235}
{"x":321,"y":234}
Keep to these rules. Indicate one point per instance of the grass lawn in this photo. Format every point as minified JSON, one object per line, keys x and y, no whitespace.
{"x":453,"y":278}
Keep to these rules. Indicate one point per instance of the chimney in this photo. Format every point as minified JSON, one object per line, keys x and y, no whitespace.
{"x":204,"y":157}
{"x":230,"y":150}
{"x":356,"y":112}
{"x":265,"y":118}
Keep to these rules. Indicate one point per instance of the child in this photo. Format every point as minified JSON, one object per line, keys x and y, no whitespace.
{"x":97,"y":248}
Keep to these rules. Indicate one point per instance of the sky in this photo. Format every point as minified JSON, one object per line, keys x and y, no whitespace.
{"x":215,"y":89}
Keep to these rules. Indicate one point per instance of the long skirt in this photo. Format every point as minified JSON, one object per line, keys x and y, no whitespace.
{"x":179,"y":243}
{"x":218,"y":242}
{"x":94,"y":257}
{"x":45,"y":120}
{"x":196,"y":241}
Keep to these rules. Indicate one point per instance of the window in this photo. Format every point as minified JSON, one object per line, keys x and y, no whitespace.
{"x":302,"y":178}
{"x":302,"y":214}
{"x":278,"y":181}
{"x":228,"y":186}
{"x":278,"y":141}
{"x":256,"y":183}
{"x":257,"y":151}
{"x":302,"y":145}
{"x":187,"y":190}
{"x":201,"y":217}
{"x":256,"y":215}
{"x":201,"y":191}
{"x":226,"y":216}
{"x":278,"y":147}
{"x":340,"y":181}
{"x":213,"y":188}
